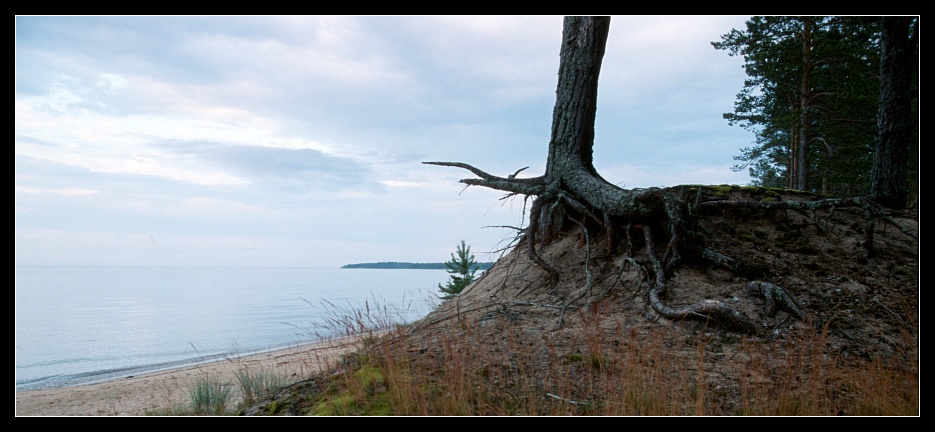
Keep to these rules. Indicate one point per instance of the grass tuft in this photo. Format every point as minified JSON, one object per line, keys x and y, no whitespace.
{"x":209,"y":395}
{"x":257,"y":384}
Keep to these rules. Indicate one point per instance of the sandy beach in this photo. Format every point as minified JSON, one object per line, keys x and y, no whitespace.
{"x":155,"y":392}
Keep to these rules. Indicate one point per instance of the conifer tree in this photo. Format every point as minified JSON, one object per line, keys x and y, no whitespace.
{"x":461,"y":270}
{"x":811,"y":99}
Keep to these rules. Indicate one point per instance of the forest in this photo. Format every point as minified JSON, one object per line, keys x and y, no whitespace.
{"x":816,"y":92}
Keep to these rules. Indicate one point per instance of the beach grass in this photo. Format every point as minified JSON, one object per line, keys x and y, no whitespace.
{"x":606,"y":370}
{"x":462,"y":371}
{"x":209,"y":395}
{"x":255,"y":384}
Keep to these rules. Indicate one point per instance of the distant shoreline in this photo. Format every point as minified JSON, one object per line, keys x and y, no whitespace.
{"x":413,"y":266}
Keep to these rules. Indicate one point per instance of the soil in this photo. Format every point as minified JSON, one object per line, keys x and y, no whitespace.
{"x":860,"y":302}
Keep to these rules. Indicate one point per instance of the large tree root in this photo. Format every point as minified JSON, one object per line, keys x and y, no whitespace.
{"x":775,"y":296}
{"x":732,"y":264}
{"x":587,"y":272}
{"x":707,"y":310}
{"x":534,"y":227}
{"x":589,"y":198}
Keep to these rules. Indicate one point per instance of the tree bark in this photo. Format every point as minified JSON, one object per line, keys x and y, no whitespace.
{"x":802,"y":149}
{"x":888,"y":184}
{"x":572,"y":142}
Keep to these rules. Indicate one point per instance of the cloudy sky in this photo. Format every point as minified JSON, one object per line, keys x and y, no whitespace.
{"x":298,"y":141}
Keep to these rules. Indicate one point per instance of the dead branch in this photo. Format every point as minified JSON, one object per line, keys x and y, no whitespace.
{"x":545,"y":305}
{"x":525,"y":186}
{"x":571,"y":401}
{"x":512,"y":176}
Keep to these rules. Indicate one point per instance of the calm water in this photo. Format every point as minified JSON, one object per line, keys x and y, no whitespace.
{"x":77,"y":324}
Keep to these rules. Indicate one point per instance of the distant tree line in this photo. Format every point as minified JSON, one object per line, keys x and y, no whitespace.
{"x":409,"y":265}
{"x":813,"y":99}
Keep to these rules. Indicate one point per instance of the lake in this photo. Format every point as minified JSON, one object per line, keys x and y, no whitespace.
{"x":81,"y":324}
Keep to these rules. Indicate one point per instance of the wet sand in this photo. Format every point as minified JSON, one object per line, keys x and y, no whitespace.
{"x":157,"y":392}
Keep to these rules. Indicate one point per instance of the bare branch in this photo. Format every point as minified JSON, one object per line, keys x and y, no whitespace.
{"x":507,"y":185}
{"x":504,"y":226}
{"x":470,"y":168}
{"x":490,"y":177}
{"x":571,"y":401}
{"x":517,"y":172}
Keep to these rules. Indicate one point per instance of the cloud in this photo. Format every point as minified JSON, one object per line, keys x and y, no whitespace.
{"x":298,"y":166}
{"x":95,"y":160}
{"x":312,"y":128}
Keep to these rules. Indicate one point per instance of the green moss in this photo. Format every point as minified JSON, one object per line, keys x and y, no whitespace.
{"x":721,"y":191}
{"x":340,"y":405}
{"x":369,"y":396}
{"x":369,"y":377}
{"x":346,"y":404}
{"x":381,"y":405}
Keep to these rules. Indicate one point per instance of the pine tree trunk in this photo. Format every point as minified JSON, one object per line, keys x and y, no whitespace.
{"x":571,"y":146}
{"x":894,"y":124}
{"x":801,"y":181}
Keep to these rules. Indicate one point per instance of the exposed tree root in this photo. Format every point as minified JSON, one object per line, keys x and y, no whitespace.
{"x":732,"y":264}
{"x":572,"y":190}
{"x":587,"y":272}
{"x":531,"y":230}
{"x":676,"y":212}
{"x":708,"y":310}
{"x":775,"y":296}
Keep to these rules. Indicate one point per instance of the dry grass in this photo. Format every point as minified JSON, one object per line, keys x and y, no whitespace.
{"x":471,"y":369}
{"x":513,"y":343}
{"x":500,"y":349}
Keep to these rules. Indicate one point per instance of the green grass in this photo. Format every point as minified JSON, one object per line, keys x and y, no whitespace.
{"x":209,"y":395}
{"x":255,"y":384}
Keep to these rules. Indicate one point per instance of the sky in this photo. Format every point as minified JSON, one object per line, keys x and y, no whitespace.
{"x":298,"y":141}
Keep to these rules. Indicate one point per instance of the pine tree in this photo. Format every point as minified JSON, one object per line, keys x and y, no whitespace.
{"x":811,"y":99}
{"x":897,"y":125}
{"x":461,"y":270}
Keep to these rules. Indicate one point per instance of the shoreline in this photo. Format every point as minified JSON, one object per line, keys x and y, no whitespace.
{"x":158,"y":391}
